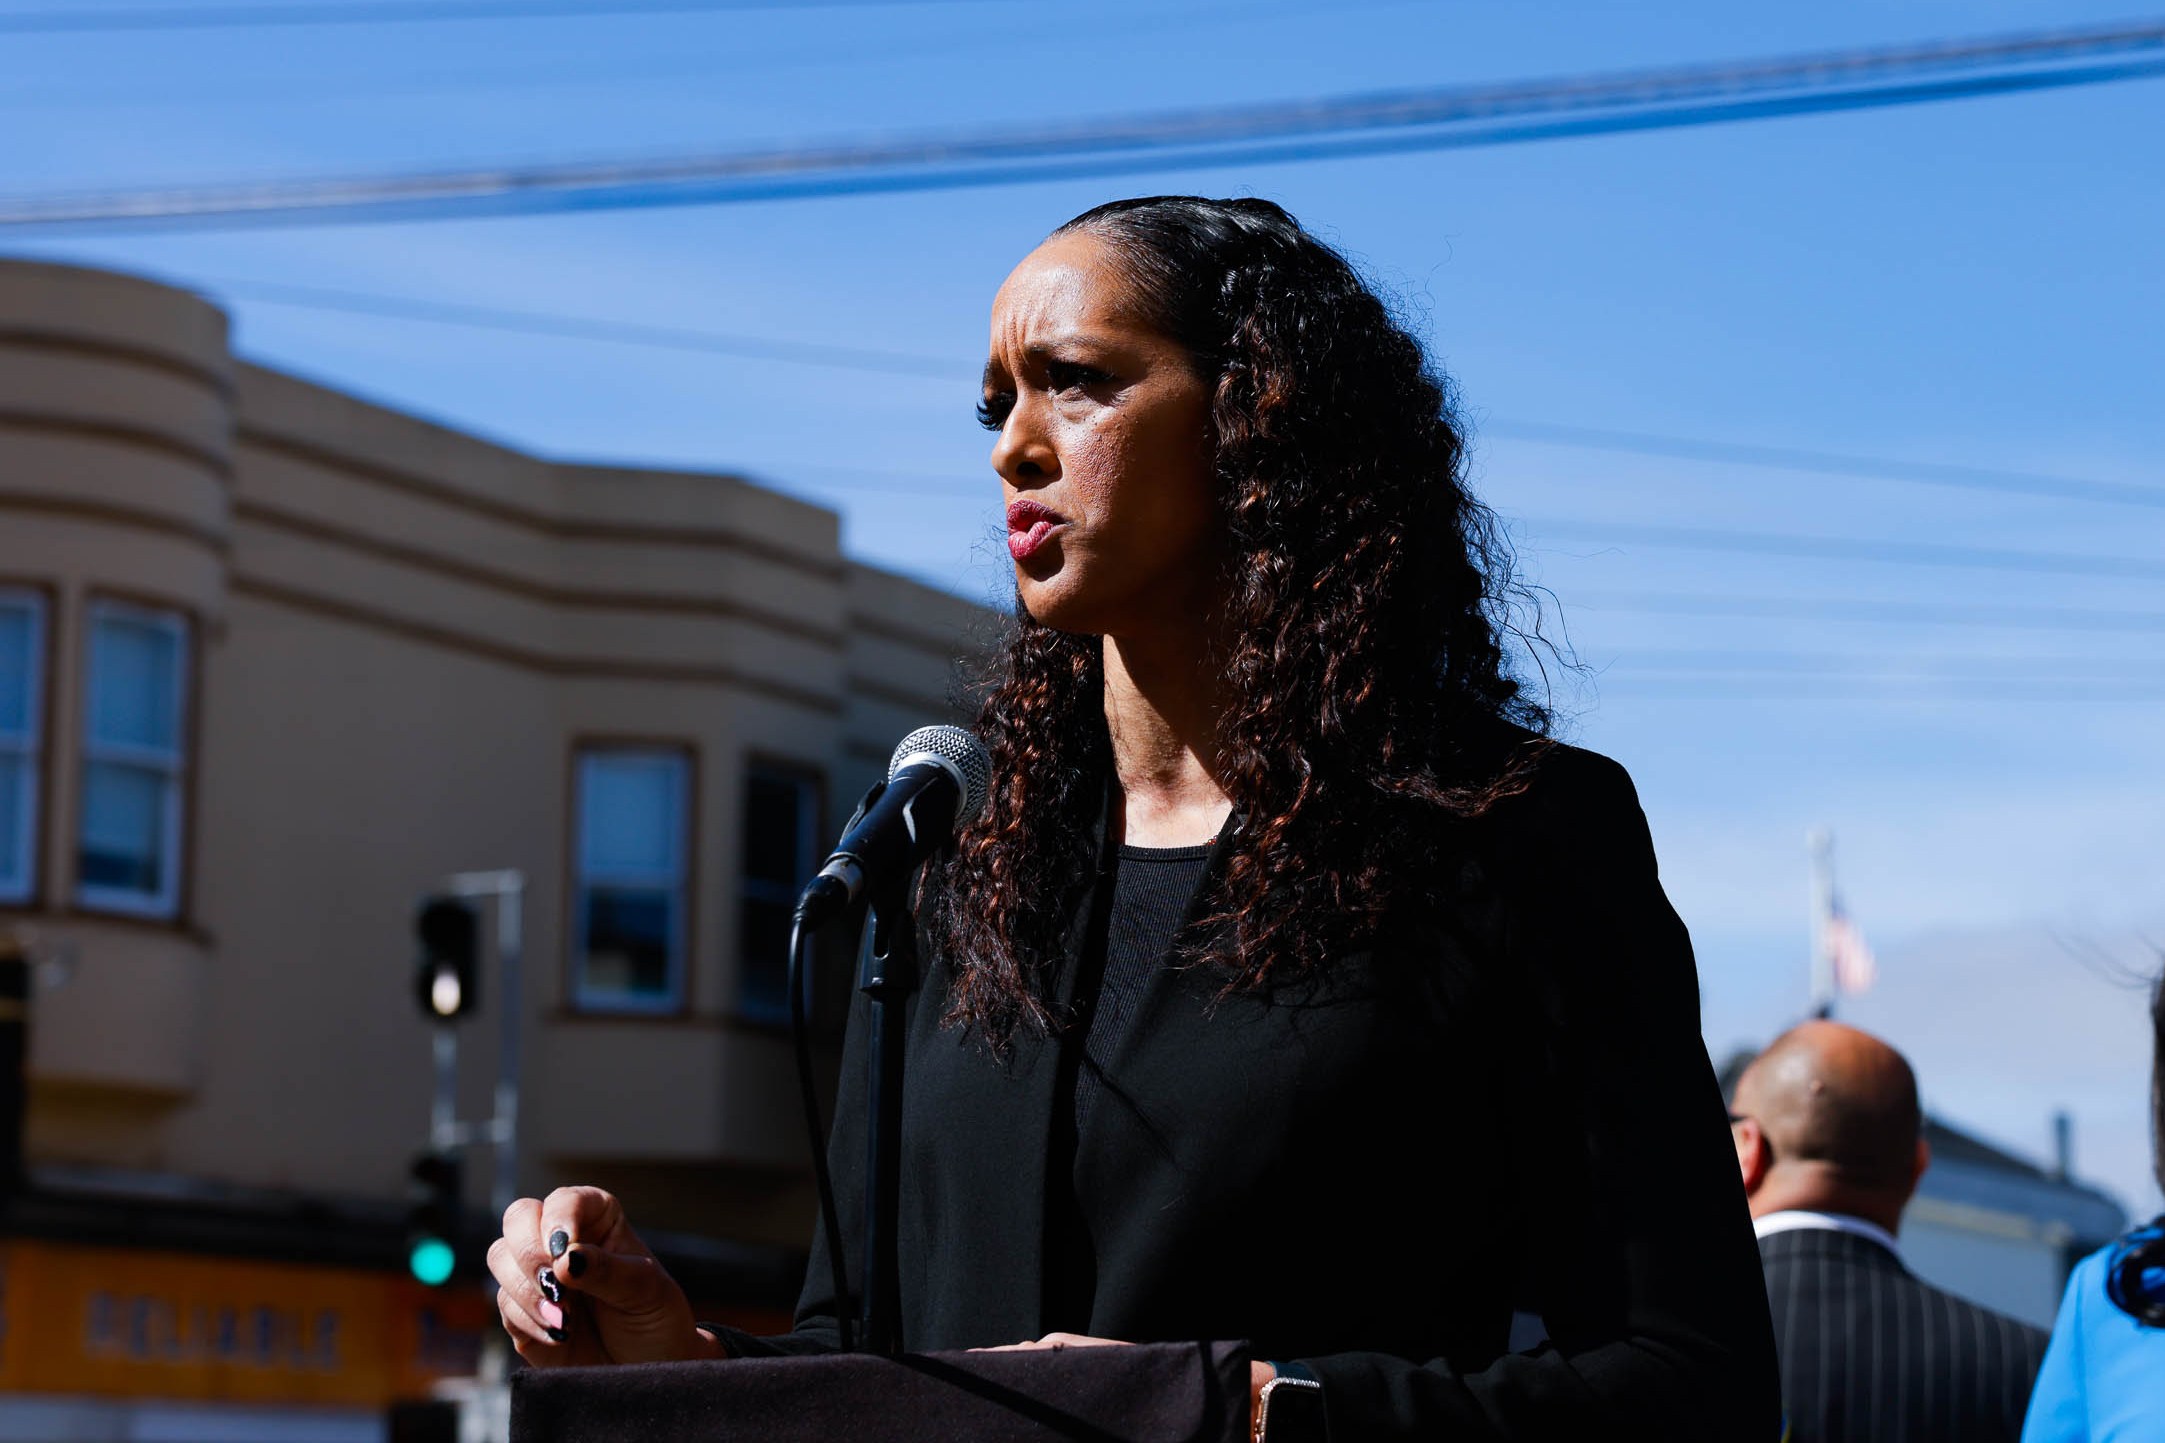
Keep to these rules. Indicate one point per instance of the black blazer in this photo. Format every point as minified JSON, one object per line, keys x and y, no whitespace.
{"x":1871,"y":1355}
{"x":1363,"y":1173}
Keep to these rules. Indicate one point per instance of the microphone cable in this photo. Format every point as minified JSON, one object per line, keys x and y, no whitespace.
{"x":801,"y":1036}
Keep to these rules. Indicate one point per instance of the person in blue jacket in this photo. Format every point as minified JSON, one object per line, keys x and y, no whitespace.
{"x":2103,"y":1379}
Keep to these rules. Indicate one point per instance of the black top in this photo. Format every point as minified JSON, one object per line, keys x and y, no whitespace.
{"x":1141,"y":911}
{"x":1871,"y":1354}
{"x":1363,"y":1172}
{"x":1151,"y":889}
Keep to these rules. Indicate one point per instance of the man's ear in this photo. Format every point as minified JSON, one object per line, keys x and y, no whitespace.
{"x":1754,"y":1157}
{"x":1924,"y":1160}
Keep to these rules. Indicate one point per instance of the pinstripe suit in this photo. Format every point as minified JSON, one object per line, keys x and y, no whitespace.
{"x":1869,"y":1354}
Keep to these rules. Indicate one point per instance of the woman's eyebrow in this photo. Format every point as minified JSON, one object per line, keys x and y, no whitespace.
{"x":1040,"y":352}
{"x":1060,"y":348}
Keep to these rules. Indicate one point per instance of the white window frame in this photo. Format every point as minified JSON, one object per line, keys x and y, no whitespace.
{"x":29,"y":746}
{"x":164,"y":904}
{"x":811,"y":786}
{"x":676,"y":879}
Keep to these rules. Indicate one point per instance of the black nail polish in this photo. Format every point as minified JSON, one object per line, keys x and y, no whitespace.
{"x":556,"y":1335}
{"x":558,"y":1241}
{"x":550,"y":1287}
{"x":578,"y":1263}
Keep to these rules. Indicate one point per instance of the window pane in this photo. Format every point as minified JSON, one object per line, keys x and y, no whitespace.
{"x":774,"y":816}
{"x":629,"y":936}
{"x":763,"y":958}
{"x":15,"y":838}
{"x":631,"y":811}
{"x":18,"y":636}
{"x":134,"y":683}
{"x":123,"y":828}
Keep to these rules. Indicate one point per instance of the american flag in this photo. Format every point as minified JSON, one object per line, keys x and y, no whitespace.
{"x":1847,"y":956}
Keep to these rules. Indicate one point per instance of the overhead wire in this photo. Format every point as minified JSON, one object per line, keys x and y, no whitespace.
{"x":1830,"y":463}
{"x":1846,"y":548}
{"x":1270,"y":133}
{"x":1639,"y":660}
{"x":1763,"y":675}
{"x":1951,"y":693}
{"x":1692,"y":538}
{"x":917,"y":363}
{"x":681,"y":60}
{"x":109,"y":20}
{"x":1642,"y":669}
{"x":582,"y":328}
{"x":1873,"y":611}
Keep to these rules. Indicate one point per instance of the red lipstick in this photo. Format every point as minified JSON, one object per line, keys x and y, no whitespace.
{"x":1028,"y":526}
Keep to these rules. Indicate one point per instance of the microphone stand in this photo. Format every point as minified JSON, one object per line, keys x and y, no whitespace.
{"x":887,"y":974}
{"x":878,"y":868}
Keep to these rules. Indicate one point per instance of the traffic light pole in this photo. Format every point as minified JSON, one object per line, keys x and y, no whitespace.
{"x":485,"y":1411}
{"x":443,"y":1123}
{"x":502,"y":1130}
{"x":449,"y":986}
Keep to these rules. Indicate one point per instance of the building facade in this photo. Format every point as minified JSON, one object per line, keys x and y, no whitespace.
{"x":275,"y":661}
{"x":2001,"y":1230}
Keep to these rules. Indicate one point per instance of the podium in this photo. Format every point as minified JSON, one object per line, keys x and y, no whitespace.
{"x":1148,"y":1393}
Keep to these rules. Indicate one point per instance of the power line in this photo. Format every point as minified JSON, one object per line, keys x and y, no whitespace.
{"x":543,"y":323}
{"x":121,"y":19}
{"x":1904,"y":613}
{"x":1838,"y":609}
{"x":1708,"y":675}
{"x":1280,"y":132}
{"x":1928,"y":473}
{"x":1689,"y":538}
{"x":1840,"y":548}
{"x":913,"y":363}
{"x":878,"y":481}
{"x":704,"y":62}
{"x":1952,"y":693}
{"x":1892,"y":666}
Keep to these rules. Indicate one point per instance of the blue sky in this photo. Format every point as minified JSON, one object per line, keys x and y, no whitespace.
{"x":1970,"y":283}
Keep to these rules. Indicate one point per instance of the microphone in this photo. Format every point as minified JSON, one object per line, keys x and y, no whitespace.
{"x":938,"y":780}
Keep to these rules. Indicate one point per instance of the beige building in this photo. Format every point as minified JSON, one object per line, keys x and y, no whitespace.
{"x":274,"y":661}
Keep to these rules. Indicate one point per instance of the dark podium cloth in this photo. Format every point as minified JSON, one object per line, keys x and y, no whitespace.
{"x":1366,"y":1171}
{"x":1871,"y":1354}
{"x":1170,"y":1393}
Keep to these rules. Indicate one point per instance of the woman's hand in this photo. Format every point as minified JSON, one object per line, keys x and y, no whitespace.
{"x":577,"y":1286}
{"x":1259,"y":1372}
{"x":1057,"y":1340}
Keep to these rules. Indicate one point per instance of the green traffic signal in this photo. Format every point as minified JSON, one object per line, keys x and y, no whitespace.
{"x":430,"y":1261}
{"x":433,"y":1219}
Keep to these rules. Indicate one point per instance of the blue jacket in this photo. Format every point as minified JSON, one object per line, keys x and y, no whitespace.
{"x":2103,"y":1379}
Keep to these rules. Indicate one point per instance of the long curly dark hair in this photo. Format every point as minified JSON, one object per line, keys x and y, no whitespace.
{"x":1363,"y":635}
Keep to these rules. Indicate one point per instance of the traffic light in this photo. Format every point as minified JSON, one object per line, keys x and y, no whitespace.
{"x":447,"y":981}
{"x":432,"y":1224}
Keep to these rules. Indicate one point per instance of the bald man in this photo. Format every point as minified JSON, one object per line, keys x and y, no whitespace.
{"x":1830,"y":1139}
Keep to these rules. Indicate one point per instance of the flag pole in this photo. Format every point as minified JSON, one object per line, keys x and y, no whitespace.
{"x":1820,"y":843}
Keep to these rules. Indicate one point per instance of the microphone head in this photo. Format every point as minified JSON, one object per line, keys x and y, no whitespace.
{"x":961,"y":753}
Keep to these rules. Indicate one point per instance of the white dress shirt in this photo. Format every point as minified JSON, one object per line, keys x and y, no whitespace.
{"x":1790,"y":1219}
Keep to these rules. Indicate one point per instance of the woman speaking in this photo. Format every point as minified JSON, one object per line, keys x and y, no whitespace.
{"x":1292,"y":986}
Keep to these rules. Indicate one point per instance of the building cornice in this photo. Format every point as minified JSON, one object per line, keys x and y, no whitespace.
{"x":526,"y":659}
